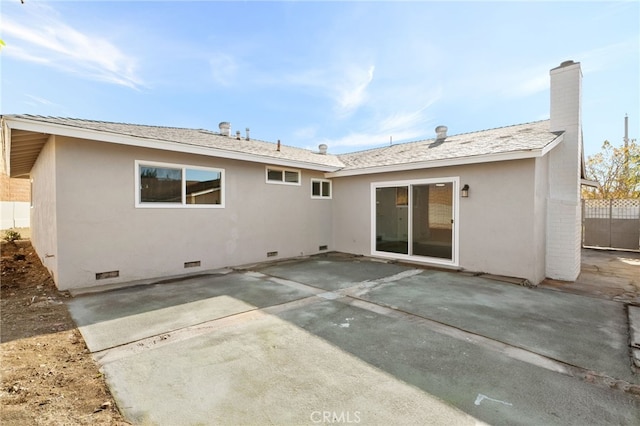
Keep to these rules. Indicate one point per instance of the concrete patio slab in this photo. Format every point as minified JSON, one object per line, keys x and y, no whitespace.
{"x":333,"y":272}
{"x":489,"y":385}
{"x":266,"y":371}
{"x":581,"y":331}
{"x":122,"y":316}
{"x":353,"y":339}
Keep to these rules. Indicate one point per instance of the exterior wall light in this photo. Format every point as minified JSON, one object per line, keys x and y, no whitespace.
{"x":465,"y":191}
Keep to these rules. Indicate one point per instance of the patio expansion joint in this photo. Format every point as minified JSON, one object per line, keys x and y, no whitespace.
{"x":515,"y":352}
{"x":353,"y":296}
{"x":118,"y":352}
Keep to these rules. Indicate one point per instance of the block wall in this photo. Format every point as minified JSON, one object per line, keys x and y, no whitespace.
{"x":12,"y":189}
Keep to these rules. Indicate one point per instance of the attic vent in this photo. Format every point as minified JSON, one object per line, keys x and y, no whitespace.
{"x":272,"y":253}
{"x":193,"y":264}
{"x":225,"y":128}
{"x":323,"y":248}
{"x":322,"y":149}
{"x":441,"y":132}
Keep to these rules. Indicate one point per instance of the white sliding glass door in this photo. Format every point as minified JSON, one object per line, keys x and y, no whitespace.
{"x":416,"y":220}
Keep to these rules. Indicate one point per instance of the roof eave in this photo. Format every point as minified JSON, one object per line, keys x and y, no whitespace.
{"x":102,"y":136}
{"x":590,"y":183}
{"x":448,"y":162}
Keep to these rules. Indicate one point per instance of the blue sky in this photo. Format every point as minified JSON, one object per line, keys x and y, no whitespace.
{"x":352,"y":75}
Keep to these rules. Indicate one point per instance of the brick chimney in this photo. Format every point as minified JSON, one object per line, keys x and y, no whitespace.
{"x":564,"y":235}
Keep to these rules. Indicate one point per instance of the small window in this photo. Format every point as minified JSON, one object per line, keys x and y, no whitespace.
{"x":168,"y":185}
{"x":283,"y":176}
{"x":320,"y":188}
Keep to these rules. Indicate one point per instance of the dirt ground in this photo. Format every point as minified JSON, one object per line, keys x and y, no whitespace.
{"x":47,"y":376}
{"x":607,"y":274}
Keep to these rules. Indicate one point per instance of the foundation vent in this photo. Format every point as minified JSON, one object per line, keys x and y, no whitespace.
{"x":105,"y":275}
{"x":193,"y":264}
{"x":323,"y":247}
{"x":272,"y":253}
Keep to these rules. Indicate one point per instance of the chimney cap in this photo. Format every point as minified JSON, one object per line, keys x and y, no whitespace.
{"x":565,"y":64}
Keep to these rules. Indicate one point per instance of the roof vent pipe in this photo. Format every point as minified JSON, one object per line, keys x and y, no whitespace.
{"x":247,"y":130}
{"x":225,"y":128}
{"x":441,"y":132}
{"x":322,"y":148}
{"x":238,"y":134}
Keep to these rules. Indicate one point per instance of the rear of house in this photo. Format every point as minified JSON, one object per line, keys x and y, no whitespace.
{"x":115,"y":202}
{"x":421,"y":216}
{"x":106,"y":212}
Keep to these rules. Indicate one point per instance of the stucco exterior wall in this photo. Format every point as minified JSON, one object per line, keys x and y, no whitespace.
{"x":101,"y":230}
{"x":540,"y":207}
{"x":498,"y":229}
{"x":44,"y":216}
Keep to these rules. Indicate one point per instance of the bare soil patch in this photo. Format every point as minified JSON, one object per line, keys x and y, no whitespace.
{"x":47,"y":375}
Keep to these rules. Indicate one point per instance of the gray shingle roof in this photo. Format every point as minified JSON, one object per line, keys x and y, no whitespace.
{"x":196,"y":137}
{"x":511,"y":139}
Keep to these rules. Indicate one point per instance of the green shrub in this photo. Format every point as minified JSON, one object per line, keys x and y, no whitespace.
{"x":11,"y":235}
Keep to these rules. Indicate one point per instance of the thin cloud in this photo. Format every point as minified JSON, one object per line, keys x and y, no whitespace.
{"x":610,"y":56}
{"x":39,"y":100}
{"x":303,"y":133}
{"x":394,"y":127}
{"x":512,"y":83}
{"x":352,"y":93}
{"x":346,"y":85}
{"x":223,"y":69}
{"x":371,"y":139}
{"x":52,"y":42}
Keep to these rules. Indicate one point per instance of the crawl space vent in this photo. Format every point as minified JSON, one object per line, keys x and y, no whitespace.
{"x":105,"y":275}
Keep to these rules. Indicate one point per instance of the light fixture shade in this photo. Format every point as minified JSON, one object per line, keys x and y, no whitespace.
{"x":465,"y":191}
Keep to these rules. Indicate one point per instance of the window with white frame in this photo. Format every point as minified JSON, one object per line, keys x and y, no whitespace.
{"x":320,"y":188}
{"x":175,"y":185}
{"x":283,"y":176}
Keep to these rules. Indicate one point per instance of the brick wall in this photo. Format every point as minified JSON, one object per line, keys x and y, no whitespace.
{"x":14,"y":189}
{"x":563,"y":206}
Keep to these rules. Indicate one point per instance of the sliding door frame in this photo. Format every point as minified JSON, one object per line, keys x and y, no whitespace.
{"x":453,"y":262}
